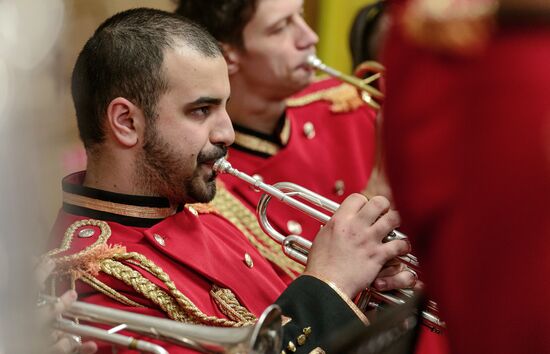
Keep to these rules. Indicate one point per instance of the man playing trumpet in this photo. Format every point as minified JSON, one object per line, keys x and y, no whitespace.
{"x":150,"y":91}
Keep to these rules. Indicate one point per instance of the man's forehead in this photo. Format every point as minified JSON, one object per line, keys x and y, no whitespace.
{"x":268,"y":12}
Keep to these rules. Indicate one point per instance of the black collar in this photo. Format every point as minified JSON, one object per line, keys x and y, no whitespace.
{"x":261,"y":144}
{"x":132,"y":210}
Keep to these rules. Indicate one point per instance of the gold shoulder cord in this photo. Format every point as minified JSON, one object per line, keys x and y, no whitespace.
{"x":245,"y":220}
{"x":108,"y":259}
{"x":152,"y":292}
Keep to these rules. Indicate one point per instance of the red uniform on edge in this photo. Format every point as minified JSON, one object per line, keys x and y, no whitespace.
{"x":192,"y":265}
{"x":468,"y":152}
{"x":325,"y":142}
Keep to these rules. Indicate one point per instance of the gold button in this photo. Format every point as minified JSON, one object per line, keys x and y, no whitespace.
{"x":294,"y":227}
{"x":339,"y":187}
{"x":248,"y":260}
{"x":283,"y":351}
{"x":309,"y":130}
{"x":307,"y":331}
{"x":301,"y":339}
{"x":291,"y":347}
{"x":85,"y":233}
{"x":192,"y":210}
{"x":159,"y":239}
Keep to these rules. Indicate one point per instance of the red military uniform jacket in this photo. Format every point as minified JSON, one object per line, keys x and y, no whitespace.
{"x":325,"y":143}
{"x":191,"y":265}
{"x":468,"y":156}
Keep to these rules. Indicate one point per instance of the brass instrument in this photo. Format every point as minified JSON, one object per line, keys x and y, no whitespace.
{"x":297,"y":247}
{"x":368,"y":92}
{"x":264,"y":337}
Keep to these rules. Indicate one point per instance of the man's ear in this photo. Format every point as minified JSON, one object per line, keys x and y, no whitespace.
{"x":232,"y":57}
{"x":125,"y":121}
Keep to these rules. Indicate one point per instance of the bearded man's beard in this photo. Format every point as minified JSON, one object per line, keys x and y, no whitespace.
{"x":160,"y":171}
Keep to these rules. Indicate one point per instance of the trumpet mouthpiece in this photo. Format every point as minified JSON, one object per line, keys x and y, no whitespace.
{"x":313,"y":61}
{"x":222,"y":166}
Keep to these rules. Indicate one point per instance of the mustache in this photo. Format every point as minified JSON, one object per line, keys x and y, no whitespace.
{"x":216,"y":153}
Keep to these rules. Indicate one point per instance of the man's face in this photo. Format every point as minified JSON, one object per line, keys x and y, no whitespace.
{"x":191,"y":131}
{"x":277,"y":42}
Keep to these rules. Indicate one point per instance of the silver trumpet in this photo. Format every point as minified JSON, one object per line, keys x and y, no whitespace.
{"x":297,"y":248}
{"x":264,"y":337}
{"x":368,"y":92}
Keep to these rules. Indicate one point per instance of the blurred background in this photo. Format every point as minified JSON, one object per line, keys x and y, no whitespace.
{"x":39,"y":43}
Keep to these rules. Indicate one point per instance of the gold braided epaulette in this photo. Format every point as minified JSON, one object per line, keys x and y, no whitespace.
{"x":343,"y":98}
{"x":116,"y":262}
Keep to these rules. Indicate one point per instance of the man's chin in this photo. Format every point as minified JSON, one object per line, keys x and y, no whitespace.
{"x":203,"y":194}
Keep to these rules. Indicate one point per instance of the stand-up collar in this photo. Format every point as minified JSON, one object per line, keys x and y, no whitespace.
{"x":264,"y":145}
{"x":132,"y":210}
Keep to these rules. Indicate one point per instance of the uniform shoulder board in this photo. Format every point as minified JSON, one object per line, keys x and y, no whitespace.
{"x":342,"y":98}
{"x":83,"y":247}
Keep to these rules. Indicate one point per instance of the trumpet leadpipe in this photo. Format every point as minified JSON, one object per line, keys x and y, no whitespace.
{"x":361,"y":84}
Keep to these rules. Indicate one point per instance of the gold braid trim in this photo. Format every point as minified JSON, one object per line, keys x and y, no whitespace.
{"x":147,"y":288}
{"x":245,"y":220}
{"x":202,"y":208}
{"x":190,"y":309}
{"x":343,"y":98}
{"x":69,"y":235}
{"x":230,"y":306}
{"x":87,"y":261}
{"x":107,"y":290}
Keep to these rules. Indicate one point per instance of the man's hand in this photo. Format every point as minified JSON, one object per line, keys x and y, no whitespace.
{"x":396,"y":275}
{"x":349,"y":251}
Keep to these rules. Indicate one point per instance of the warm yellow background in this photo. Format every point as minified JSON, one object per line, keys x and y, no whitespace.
{"x":333,"y":25}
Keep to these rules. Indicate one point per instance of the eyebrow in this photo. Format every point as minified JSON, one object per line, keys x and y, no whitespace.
{"x":205,"y":100}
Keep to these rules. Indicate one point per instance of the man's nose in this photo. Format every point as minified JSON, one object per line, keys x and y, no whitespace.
{"x":306,"y":36}
{"x":222,"y":132}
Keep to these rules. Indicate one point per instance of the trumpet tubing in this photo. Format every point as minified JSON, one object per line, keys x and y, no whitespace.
{"x":369,"y":93}
{"x":297,"y":247}
{"x":264,"y":337}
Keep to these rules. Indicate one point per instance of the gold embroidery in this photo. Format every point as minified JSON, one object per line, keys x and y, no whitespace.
{"x":117,"y":208}
{"x":203,"y":208}
{"x":285,"y":320}
{"x":147,"y":288}
{"x":257,"y":144}
{"x":239,"y":215}
{"x":230,"y":306}
{"x":105,"y":233}
{"x":190,"y":309}
{"x":343,"y":98}
{"x":107,"y":290}
{"x":264,"y":146}
{"x":285,"y":132}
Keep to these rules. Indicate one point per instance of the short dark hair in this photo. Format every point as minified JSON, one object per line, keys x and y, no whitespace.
{"x":124,"y":58}
{"x":224,"y":19}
